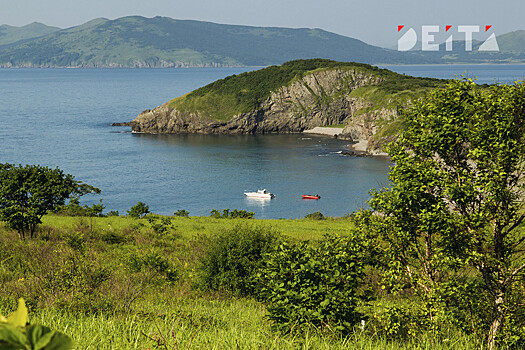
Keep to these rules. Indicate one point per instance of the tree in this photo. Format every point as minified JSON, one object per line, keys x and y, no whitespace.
{"x":28,"y":192}
{"x":457,"y":194}
{"x":138,"y":210}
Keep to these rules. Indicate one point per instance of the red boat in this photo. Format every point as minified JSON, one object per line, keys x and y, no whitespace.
{"x":309,"y":196}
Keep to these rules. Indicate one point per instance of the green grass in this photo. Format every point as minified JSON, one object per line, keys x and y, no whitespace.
{"x":103,"y":281}
{"x":195,"y":226}
{"x":204,"y":323}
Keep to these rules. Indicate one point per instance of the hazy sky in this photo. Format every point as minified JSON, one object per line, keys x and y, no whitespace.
{"x":372,"y":21}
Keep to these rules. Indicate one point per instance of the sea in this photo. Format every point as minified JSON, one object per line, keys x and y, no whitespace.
{"x":62,"y":118}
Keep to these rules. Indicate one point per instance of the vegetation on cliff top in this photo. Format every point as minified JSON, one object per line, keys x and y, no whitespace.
{"x":225,"y":98}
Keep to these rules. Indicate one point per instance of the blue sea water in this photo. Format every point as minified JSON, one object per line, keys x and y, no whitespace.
{"x":481,"y":74}
{"x":61,"y":118}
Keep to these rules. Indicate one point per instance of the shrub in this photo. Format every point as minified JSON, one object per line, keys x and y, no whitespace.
{"x":138,"y":210}
{"x":242,"y":214}
{"x":181,"y":213}
{"x":217,"y":214}
{"x":397,"y":322}
{"x":315,"y":285}
{"x":315,"y":216}
{"x":159,"y":224}
{"x":76,"y":241}
{"x":115,"y":237}
{"x":233,"y":258}
{"x":235,"y":213}
{"x":153,"y":261}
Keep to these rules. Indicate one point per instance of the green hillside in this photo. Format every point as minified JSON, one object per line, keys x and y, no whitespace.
{"x":513,"y":42}
{"x":165,"y":42}
{"x":511,"y":50}
{"x":245,"y":92}
{"x":11,"y":34}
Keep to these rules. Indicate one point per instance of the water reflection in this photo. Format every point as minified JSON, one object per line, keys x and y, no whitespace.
{"x":257,"y":202}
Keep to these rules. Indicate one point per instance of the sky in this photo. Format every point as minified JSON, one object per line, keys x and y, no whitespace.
{"x":372,"y":21}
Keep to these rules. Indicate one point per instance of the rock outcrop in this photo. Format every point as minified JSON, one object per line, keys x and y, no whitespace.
{"x":320,"y":98}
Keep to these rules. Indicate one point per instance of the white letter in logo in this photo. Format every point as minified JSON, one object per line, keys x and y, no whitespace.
{"x":407,"y":41}
{"x":468,"y":30}
{"x":427,"y":38}
{"x":448,"y":44}
{"x":491,"y":44}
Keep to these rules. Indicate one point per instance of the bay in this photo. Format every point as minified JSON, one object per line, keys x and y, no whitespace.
{"x":61,"y":118}
{"x":480,"y":73}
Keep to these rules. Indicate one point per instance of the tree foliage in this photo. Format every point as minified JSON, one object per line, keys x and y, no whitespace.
{"x":320,"y":285}
{"x":138,"y":210}
{"x":457,"y":195}
{"x":233,"y":258}
{"x":28,"y":192}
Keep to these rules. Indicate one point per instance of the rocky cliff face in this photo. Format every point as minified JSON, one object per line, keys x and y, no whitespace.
{"x":319,"y":99}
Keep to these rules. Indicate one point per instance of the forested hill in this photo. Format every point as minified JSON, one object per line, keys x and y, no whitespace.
{"x":165,"y":42}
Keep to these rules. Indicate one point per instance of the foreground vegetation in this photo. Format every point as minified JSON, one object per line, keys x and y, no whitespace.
{"x":117,"y":283}
{"x":438,"y":261}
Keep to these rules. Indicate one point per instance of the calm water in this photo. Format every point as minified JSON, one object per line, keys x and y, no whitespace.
{"x":61,"y":117}
{"x":481,"y":74}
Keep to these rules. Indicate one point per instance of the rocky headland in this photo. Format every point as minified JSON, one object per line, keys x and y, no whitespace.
{"x":362,"y":101}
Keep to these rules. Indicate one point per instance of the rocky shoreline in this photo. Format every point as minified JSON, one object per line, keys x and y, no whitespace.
{"x":312,"y":104}
{"x":309,"y":105}
{"x":358,"y":149}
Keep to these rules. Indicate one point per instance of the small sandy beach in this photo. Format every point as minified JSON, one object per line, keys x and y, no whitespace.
{"x":324,"y":131}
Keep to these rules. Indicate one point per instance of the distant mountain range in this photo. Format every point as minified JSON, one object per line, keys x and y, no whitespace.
{"x":10,"y":34}
{"x":164,"y":42}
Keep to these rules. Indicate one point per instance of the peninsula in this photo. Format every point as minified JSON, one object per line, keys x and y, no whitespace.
{"x":296,"y":96}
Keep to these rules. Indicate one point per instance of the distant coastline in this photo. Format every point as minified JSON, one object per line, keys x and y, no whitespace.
{"x":162,"y":42}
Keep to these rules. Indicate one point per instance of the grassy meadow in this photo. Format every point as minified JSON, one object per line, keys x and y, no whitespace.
{"x":124,"y":283}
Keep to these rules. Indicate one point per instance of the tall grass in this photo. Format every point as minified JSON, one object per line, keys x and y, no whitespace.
{"x":104,"y":282}
{"x":214,"y":324}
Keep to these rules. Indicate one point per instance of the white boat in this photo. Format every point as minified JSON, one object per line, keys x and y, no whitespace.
{"x":259,"y":194}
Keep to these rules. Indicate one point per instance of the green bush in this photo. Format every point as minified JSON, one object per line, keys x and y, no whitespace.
{"x":317,"y":285}
{"x":138,"y":210}
{"x":115,"y":237}
{"x":315,"y":216}
{"x":235,"y":213}
{"x":154,"y":262}
{"x":397,"y":322}
{"x":159,"y":224}
{"x":233,"y":258}
{"x":242,"y":214}
{"x":73,"y":208}
{"x":181,"y":213}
